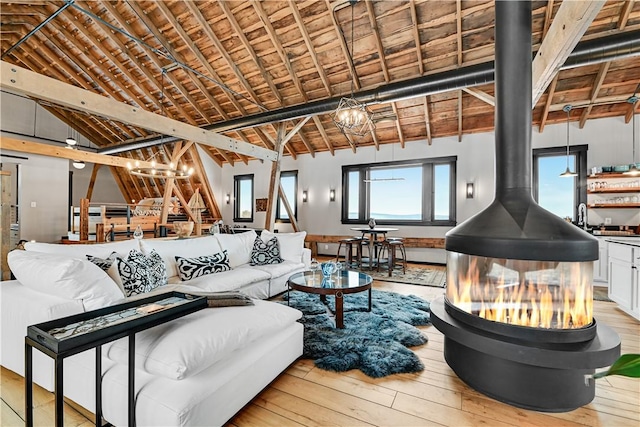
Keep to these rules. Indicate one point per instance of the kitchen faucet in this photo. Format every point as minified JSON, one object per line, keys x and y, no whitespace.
{"x":582,"y":215}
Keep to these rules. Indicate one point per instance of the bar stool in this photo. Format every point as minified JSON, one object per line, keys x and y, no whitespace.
{"x":391,"y":246}
{"x":349,"y":244}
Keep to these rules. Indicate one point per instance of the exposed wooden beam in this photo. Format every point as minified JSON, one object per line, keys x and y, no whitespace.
{"x":481,"y":95}
{"x":568,"y":26}
{"x":459,"y":30}
{"x":376,"y":35}
{"x":459,"y":116}
{"x":209,"y":197}
{"x":239,"y":32}
{"x":204,"y":26}
{"x":597,"y":84}
{"x":325,"y":137}
{"x":627,"y":5}
{"x":603,"y":100}
{"x":24,"y":146}
{"x":427,"y":120}
{"x":295,"y":129}
{"x":547,"y":18}
{"x":274,"y":180}
{"x":38,"y":86}
{"x":394,"y":107}
{"x":343,"y":45}
{"x":416,"y":35}
{"x":287,"y":207}
{"x":275,"y":41}
{"x":633,"y":109}
{"x":547,"y":105}
{"x":92,"y":181}
{"x":311,"y":49}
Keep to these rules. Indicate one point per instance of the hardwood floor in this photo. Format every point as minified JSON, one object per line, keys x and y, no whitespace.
{"x":307,"y":396}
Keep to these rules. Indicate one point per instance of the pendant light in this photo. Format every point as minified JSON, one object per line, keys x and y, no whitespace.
{"x":352,"y":117}
{"x":633,"y":168}
{"x":567,"y":173}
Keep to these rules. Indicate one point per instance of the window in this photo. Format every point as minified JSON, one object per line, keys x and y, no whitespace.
{"x":243,"y":198}
{"x":557,"y":194}
{"x":289,"y":183}
{"x":415,"y":192}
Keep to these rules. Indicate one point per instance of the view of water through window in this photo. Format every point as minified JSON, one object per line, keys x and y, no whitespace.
{"x":399,"y":198}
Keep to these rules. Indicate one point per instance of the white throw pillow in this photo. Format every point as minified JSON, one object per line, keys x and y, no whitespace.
{"x":141,"y":273}
{"x":238,"y":246}
{"x":291,"y":244}
{"x":65,"y":277}
{"x":188,"y":248}
{"x":100,"y":250}
{"x":189,"y":344}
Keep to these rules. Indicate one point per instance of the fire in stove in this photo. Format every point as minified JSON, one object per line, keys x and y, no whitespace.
{"x":538,"y":294}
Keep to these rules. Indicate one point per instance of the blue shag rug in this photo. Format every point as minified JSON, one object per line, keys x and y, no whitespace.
{"x":375,"y":342}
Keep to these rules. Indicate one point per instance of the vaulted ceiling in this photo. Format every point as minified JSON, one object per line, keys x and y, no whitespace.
{"x":206,"y":63}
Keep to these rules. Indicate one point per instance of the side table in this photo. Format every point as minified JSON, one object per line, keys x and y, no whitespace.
{"x":64,"y":337}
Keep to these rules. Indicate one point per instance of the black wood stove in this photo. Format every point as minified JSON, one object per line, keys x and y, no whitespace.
{"x":518,"y":311}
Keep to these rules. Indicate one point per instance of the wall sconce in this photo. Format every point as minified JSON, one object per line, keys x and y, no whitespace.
{"x":227,"y":198}
{"x":305,"y":196}
{"x":470,"y":190}
{"x":332,"y":195}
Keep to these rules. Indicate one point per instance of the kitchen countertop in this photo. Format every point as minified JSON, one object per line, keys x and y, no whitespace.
{"x":625,"y":240}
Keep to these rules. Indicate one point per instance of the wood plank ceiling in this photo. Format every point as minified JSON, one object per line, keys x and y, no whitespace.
{"x":211,"y":61}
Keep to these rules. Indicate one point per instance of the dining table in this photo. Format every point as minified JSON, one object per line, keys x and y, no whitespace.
{"x":373,"y":233}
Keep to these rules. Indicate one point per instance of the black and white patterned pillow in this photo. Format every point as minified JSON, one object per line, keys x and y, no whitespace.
{"x":141,"y":273}
{"x":190,"y":268}
{"x":265,"y":253}
{"x":104,"y":263}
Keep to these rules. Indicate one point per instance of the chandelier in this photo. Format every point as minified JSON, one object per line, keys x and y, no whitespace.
{"x":351,"y":116}
{"x":160,"y":171}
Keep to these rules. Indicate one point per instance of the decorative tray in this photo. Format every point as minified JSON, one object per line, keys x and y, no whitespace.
{"x":86,"y":330}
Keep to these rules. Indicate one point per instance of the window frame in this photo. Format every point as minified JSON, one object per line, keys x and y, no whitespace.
{"x":237,"y":192}
{"x":580,"y":152}
{"x":293,"y":173}
{"x":428,"y":203}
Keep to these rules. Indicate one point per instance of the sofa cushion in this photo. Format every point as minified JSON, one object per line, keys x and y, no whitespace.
{"x":141,"y":273}
{"x":65,"y":277}
{"x":188,"y":248}
{"x":101,"y":250}
{"x":190,"y":268}
{"x":291,"y":244}
{"x":275,"y":270}
{"x":187,"y":345}
{"x":264,"y":253}
{"x":239,"y":246}
{"x":225,"y":281}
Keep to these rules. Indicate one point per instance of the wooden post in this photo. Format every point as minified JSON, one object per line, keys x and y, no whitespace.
{"x":84,"y":220}
{"x":92,"y":182}
{"x":100,"y":233}
{"x":5,"y":222}
{"x":274,"y":181}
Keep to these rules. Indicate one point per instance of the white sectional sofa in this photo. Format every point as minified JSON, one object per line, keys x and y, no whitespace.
{"x":197,"y":370}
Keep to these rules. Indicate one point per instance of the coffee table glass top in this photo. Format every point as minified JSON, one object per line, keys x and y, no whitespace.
{"x":345,"y":280}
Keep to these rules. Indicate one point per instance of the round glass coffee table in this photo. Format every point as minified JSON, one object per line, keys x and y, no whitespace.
{"x":347,"y":282}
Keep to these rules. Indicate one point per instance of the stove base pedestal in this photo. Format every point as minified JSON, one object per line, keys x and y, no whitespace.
{"x":538,"y":376}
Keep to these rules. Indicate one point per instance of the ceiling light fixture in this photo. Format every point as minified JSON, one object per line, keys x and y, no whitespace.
{"x":567,"y":173}
{"x":352,"y":117}
{"x":78,"y":164}
{"x":160,"y":171}
{"x":633,"y":167}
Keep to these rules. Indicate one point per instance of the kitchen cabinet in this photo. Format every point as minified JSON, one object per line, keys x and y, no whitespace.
{"x":601,"y":265}
{"x":613,"y":191}
{"x":624,"y":280}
